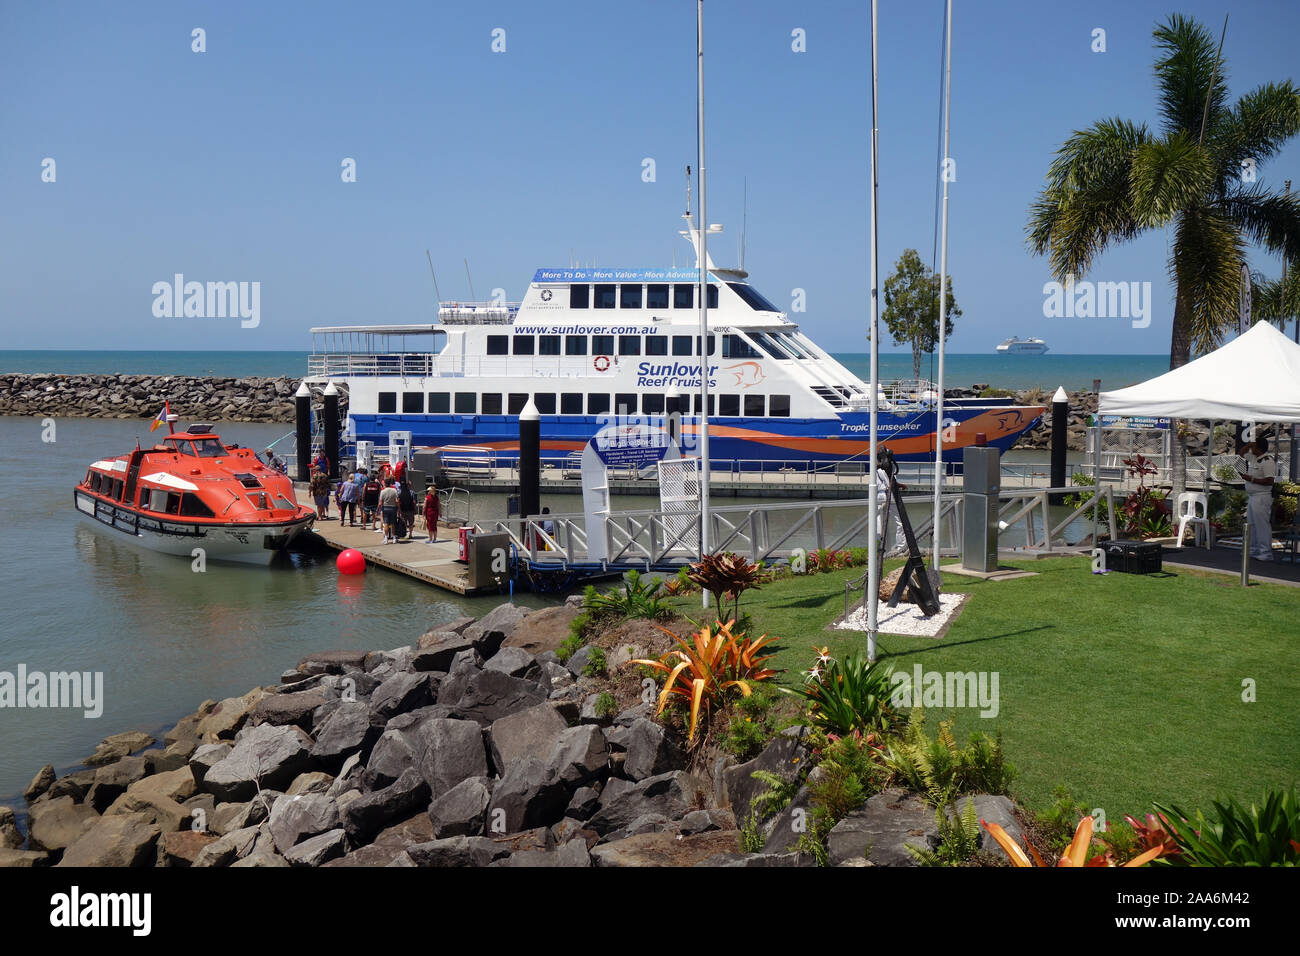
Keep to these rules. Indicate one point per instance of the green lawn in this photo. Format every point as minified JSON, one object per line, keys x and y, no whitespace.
{"x":1125,"y":689}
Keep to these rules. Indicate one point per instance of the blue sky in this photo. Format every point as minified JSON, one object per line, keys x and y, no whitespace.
{"x":225,"y":165}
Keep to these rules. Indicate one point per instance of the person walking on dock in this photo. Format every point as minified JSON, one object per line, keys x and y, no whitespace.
{"x":432,"y":512}
{"x":406,"y":507}
{"x":370,"y":501}
{"x":320,"y":493}
{"x":388,"y":500}
{"x":348,"y":495}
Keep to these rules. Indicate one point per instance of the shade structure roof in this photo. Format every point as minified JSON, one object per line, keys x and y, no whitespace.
{"x":1255,"y":377}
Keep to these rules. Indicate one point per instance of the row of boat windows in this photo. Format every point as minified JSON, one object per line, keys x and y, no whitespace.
{"x":151,"y":499}
{"x":778,"y":345}
{"x":576,"y":403}
{"x":657,"y":296}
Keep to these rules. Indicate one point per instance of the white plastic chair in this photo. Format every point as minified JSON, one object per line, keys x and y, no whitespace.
{"x":1194,"y":510}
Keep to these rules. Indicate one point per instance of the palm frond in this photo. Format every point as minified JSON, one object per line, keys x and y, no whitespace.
{"x":1086,"y":204}
{"x":1255,"y":129}
{"x":1184,"y":72}
{"x":1205,"y":263}
{"x":1167,"y":176}
{"x":1266,"y":218}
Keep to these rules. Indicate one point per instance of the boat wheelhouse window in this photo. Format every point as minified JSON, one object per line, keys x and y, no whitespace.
{"x":733,"y":346}
{"x":491,"y":403}
{"x":208,"y":448}
{"x":752,"y":297}
{"x":695,"y":404}
{"x":579,"y":296}
{"x":193,"y":506}
{"x":605,"y":297}
{"x":683,"y":296}
{"x":545,"y":402}
{"x":682,"y":345}
{"x":625,"y":403}
{"x":498,"y":345}
{"x":466,"y":403}
{"x":656,"y":345}
{"x":629,"y":296}
{"x":157,"y":500}
{"x":439,"y":403}
{"x":413,"y":403}
{"x":115,"y":488}
{"x":629,"y":345}
{"x":570,"y":403}
{"x":652,"y":404}
{"x":575,"y":345}
{"x":754,"y":405}
{"x":713,"y":344}
{"x":524,"y":345}
{"x":778,"y":406}
{"x":548,"y":345}
{"x":598,"y":404}
{"x":515,"y":402}
{"x":387,"y":403}
{"x":728,"y":404}
{"x":713,"y":295}
{"x":602,"y":345}
{"x":791,"y":344}
{"x":769,"y":347}
{"x":92,"y":480}
{"x":656,"y":296}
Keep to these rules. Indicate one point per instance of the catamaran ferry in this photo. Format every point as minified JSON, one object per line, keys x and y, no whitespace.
{"x":592,"y":347}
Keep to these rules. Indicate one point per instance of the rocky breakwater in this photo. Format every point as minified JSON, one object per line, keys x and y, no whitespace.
{"x":1082,"y":406}
{"x":194,"y":398}
{"x":472,"y":747}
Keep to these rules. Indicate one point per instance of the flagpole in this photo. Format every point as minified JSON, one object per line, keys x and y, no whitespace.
{"x":943,"y":294}
{"x":703,"y":228}
{"x":872,"y":596}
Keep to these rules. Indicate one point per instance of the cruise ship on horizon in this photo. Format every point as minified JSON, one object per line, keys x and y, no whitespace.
{"x":1017,"y":346}
{"x":593,"y":347}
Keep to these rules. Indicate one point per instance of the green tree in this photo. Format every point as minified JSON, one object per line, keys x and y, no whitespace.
{"x":1197,"y":175}
{"x":1268,"y":303}
{"x":912,"y":307}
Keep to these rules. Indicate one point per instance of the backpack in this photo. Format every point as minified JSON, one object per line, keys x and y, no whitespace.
{"x":405,"y":500}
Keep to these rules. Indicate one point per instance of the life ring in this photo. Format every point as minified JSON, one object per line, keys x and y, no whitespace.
{"x":601,"y":362}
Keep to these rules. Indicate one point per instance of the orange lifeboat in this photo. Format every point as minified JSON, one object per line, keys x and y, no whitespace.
{"x":192,"y":491}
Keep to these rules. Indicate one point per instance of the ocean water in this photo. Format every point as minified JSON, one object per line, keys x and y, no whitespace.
{"x":960,"y":370}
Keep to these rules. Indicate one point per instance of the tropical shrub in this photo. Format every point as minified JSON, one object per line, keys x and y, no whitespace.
{"x":726,"y":575}
{"x":848,"y":695}
{"x":606,"y":705}
{"x":636,"y":599}
{"x":706,"y":670}
{"x":1099,"y":510}
{"x":1145,"y":513}
{"x":596,"y":665}
{"x":1265,"y":834}
{"x":850,"y":770}
{"x":751,"y":723}
{"x":940,"y":769}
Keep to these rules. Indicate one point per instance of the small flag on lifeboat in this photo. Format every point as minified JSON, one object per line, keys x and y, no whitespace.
{"x":162,"y":417}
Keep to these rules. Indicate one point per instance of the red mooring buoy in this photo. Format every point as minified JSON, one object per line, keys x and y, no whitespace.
{"x":351,"y":561}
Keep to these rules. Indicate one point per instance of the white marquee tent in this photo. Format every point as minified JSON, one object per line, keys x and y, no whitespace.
{"x":1255,"y":377}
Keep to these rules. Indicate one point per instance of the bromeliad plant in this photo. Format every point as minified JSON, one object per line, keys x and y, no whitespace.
{"x":726,"y":575}
{"x":1267,"y":834}
{"x":1076,"y":854}
{"x":1145,"y":511}
{"x":848,"y":695}
{"x":707,"y":669}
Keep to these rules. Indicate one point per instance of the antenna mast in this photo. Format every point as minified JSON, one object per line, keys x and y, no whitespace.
{"x":472,"y":296}
{"x":436,"y":293}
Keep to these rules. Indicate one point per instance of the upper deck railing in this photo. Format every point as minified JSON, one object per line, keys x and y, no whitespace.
{"x":477,"y":313}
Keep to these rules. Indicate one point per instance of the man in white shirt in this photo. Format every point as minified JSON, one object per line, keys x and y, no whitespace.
{"x":1259,"y":475}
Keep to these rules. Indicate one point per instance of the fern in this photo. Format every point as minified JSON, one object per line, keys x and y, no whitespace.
{"x":959,"y":837}
{"x":776,"y":797}
{"x":940,"y":769}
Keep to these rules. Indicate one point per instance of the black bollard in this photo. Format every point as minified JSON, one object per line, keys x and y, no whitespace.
{"x":332,"y":429}
{"x":675,"y":410}
{"x":302,"y":425}
{"x":1060,"y":437}
{"x":530,"y":461}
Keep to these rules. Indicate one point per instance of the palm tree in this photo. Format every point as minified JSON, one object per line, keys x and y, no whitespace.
{"x":1117,"y":179}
